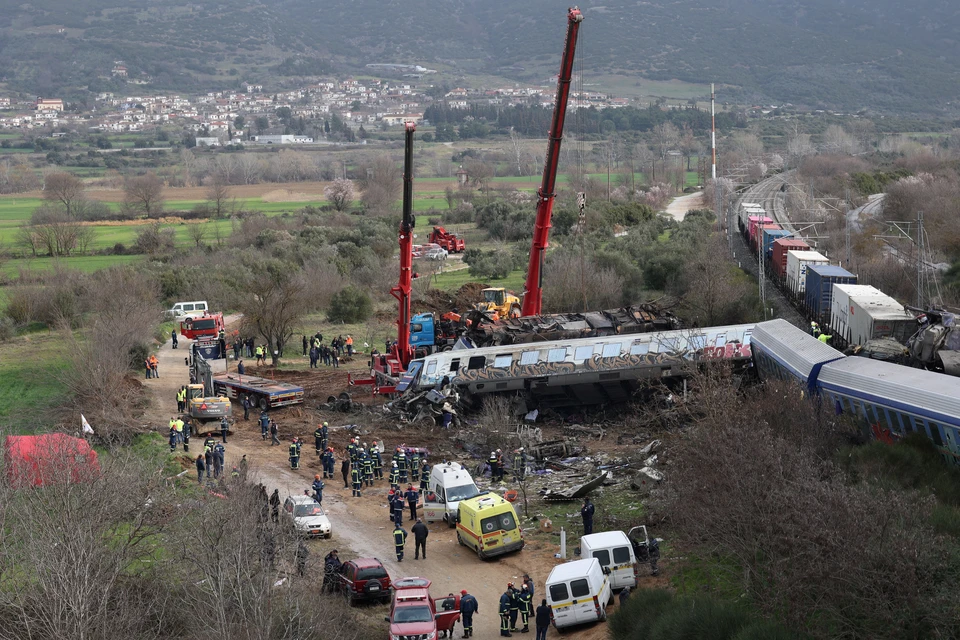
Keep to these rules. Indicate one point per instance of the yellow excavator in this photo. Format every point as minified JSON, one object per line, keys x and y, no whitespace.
{"x":500,"y":302}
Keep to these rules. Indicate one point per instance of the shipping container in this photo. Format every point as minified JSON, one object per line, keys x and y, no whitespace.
{"x":840,"y":305}
{"x":873,"y":317}
{"x":819,"y":288}
{"x":754,"y":222}
{"x":769,"y":236}
{"x":797,"y":263}
{"x":780,"y":248}
{"x":748,"y":209}
{"x":758,"y":235}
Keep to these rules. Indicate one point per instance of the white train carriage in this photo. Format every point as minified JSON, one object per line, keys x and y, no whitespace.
{"x":579,"y":371}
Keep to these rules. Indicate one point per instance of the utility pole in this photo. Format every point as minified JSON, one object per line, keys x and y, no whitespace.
{"x":920,"y":260}
{"x":846,"y":231}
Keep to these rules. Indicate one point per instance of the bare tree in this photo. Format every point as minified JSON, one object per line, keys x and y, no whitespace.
{"x":715,"y":290}
{"x":63,"y":188}
{"x":28,"y":238}
{"x":381,"y":181}
{"x":665,"y":136}
{"x":198,"y":231}
{"x":274,"y":302}
{"x":218,"y":195}
{"x":575,"y":283}
{"x":340,"y":194}
{"x":517,"y":142}
{"x":144,"y":194}
{"x":249,"y":168}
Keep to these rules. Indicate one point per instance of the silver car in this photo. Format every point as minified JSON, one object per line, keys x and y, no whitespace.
{"x":436,"y":254}
{"x":307,"y":516}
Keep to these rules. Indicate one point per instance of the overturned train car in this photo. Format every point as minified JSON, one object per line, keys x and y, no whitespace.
{"x":577,"y":371}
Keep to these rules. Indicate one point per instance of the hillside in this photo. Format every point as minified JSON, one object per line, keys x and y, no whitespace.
{"x":881,"y":55}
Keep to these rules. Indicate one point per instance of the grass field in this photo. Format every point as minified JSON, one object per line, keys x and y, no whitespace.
{"x":29,"y":365}
{"x":81,"y":263}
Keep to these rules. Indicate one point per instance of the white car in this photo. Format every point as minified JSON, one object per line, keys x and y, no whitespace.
{"x":436,"y":254}
{"x":307,"y":516}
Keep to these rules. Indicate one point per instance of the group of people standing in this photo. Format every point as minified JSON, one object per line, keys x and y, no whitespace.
{"x":329,"y":355}
{"x":518,"y":603}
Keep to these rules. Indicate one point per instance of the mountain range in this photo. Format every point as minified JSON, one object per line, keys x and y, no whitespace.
{"x":883,"y":56}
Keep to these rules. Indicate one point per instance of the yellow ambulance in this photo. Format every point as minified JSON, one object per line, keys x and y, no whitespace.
{"x":488,"y":525}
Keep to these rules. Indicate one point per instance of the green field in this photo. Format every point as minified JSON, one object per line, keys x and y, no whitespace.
{"x":29,"y":365}
{"x":81,"y":263}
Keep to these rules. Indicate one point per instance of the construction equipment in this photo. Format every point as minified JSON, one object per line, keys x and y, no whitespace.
{"x":203,"y":401}
{"x":499,"y":301}
{"x":449,"y":241}
{"x":533,"y":289}
{"x":388,"y":367}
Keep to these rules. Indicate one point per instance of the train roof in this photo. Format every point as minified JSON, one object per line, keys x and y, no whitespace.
{"x":917,"y":391}
{"x":792,"y":348}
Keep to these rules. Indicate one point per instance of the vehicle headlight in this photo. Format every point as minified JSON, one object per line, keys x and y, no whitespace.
{"x":430,"y":636}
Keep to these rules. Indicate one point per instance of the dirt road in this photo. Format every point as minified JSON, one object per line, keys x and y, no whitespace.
{"x":361,"y":523}
{"x":678,"y":208}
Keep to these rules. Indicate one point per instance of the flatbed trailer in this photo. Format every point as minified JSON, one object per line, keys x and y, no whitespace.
{"x":264,"y":393}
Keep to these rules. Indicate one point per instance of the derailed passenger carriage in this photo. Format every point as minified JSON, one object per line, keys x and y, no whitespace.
{"x":579,"y":371}
{"x":893,"y":400}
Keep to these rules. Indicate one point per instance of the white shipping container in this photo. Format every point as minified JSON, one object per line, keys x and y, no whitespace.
{"x":797,"y":263}
{"x":873,"y":317}
{"x":840,"y":305}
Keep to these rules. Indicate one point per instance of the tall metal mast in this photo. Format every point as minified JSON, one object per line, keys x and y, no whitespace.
{"x":533,"y":289}
{"x":402,"y":351}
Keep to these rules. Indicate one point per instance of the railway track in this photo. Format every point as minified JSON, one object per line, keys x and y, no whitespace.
{"x":767,"y":193}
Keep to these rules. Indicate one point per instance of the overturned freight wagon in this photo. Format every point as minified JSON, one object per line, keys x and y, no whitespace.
{"x":577,"y":371}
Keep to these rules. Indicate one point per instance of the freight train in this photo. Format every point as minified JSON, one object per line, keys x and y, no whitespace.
{"x":894,"y":400}
{"x":827,"y":294}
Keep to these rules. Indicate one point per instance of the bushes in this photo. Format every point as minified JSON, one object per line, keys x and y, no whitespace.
{"x":349,"y":305}
{"x":654,"y":614}
{"x":494,"y":264}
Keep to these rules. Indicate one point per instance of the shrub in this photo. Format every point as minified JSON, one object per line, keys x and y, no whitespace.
{"x":8,"y":328}
{"x":349,"y":305}
{"x":635,"y":619}
{"x":699,"y":618}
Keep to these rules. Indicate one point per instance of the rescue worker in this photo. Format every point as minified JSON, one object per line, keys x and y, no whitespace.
{"x":244,"y":466}
{"x":208,"y":459}
{"x":318,"y":442}
{"x":326,"y":461}
{"x":325,"y":428}
{"x":468,"y":607}
{"x":586,"y":512}
{"x":218,"y":453}
{"x":299,"y":443}
{"x":294,"y":455}
{"x":505,"y":612}
{"x":526,"y":608}
{"x":492,"y":461}
{"x":514,"y":606}
{"x":420,"y":533}
{"x":501,"y":468}
{"x":424,"y":475}
{"x":224,"y":427}
{"x":200,"y":467}
{"x":349,"y":343}
{"x":181,"y":399}
{"x":246,"y":407}
{"x":153,"y":366}
{"x":412,"y":498}
{"x":824,"y":338}
{"x":209,"y":442}
{"x":397,"y":509}
{"x":264,"y":425}
{"x":654,"y":552}
{"x":173,"y":337}
{"x":331,"y":567}
{"x":814,"y":329}
{"x":186,"y":435}
{"x":415,"y":465}
{"x":345,"y":472}
{"x":519,"y":465}
{"x":173,"y":438}
{"x":357,"y":480}
{"x":529,"y":582}
{"x":377,"y":461}
{"x":274,"y":433}
{"x":178,"y":425}
{"x":318,"y":488}
{"x":235,"y":473}
{"x":402,"y":464}
{"x":352,"y":450}
{"x":259,"y":355}
{"x":367,"y":468}
{"x":394,"y":476}
{"x":275,"y":505}
{"x":399,"y":539}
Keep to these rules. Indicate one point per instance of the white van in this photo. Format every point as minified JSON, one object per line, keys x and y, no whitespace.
{"x":614,"y":552}
{"x":449,"y":483}
{"x":578,"y":592}
{"x":182,"y":309}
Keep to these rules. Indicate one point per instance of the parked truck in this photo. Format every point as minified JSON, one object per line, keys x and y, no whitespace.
{"x":264,"y":393}
{"x":449,"y":241}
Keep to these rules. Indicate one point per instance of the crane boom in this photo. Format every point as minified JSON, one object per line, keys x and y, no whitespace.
{"x":403,"y":352}
{"x":533,"y":289}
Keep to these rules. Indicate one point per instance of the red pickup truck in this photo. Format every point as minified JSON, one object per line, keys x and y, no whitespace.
{"x":414,"y":613}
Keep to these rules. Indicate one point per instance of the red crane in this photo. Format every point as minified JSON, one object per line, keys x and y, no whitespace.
{"x":388,"y":367}
{"x":533,"y":289}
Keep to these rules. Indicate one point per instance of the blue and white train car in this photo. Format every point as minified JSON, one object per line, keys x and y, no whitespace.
{"x":582,"y":370}
{"x":896,"y":400}
{"x":780,"y":350}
